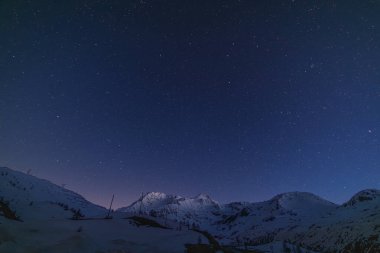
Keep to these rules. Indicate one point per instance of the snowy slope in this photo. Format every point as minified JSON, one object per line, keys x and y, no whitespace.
{"x":33,"y":198}
{"x":279,"y":247}
{"x":91,"y":236}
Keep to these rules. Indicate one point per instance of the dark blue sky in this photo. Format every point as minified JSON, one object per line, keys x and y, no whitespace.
{"x":238,"y":99}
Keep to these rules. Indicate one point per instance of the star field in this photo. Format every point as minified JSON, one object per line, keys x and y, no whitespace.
{"x":238,"y":99}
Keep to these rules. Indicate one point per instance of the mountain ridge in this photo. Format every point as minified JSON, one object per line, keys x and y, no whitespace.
{"x":298,"y":217}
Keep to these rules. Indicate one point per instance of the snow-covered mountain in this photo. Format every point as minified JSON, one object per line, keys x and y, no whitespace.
{"x":33,"y":198}
{"x":363,"y":196}
{"x":186,"y":211}
{"x":298,"y":217}
{"x":157,"y":200}
{"x":266,"y":221}
{"x":351,"y":227}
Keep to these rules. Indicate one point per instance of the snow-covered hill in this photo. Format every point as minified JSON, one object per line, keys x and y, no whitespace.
{"x":34,"y":198}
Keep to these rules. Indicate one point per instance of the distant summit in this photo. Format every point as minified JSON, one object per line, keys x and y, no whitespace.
{"x":171,"y":205}
{"x":302,"y":202}
{"x":364,"y":196}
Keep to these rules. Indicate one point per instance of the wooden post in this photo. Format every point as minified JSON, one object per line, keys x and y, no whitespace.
{"x":142,"y":197}
{"x":109,"y":210}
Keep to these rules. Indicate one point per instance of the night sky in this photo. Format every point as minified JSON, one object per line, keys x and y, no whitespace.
{"x":241,"y":100}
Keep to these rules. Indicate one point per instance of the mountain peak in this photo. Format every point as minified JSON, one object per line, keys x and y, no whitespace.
{"x":205,"y":199}
{"x":202,"y":196}
{"x":301,"y":200}
{"x":296,"y":195}
{"x":363,"y":196}
{"x":153,"y":195}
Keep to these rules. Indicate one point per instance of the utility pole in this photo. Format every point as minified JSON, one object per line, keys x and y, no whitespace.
{"x":109,"y":210}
